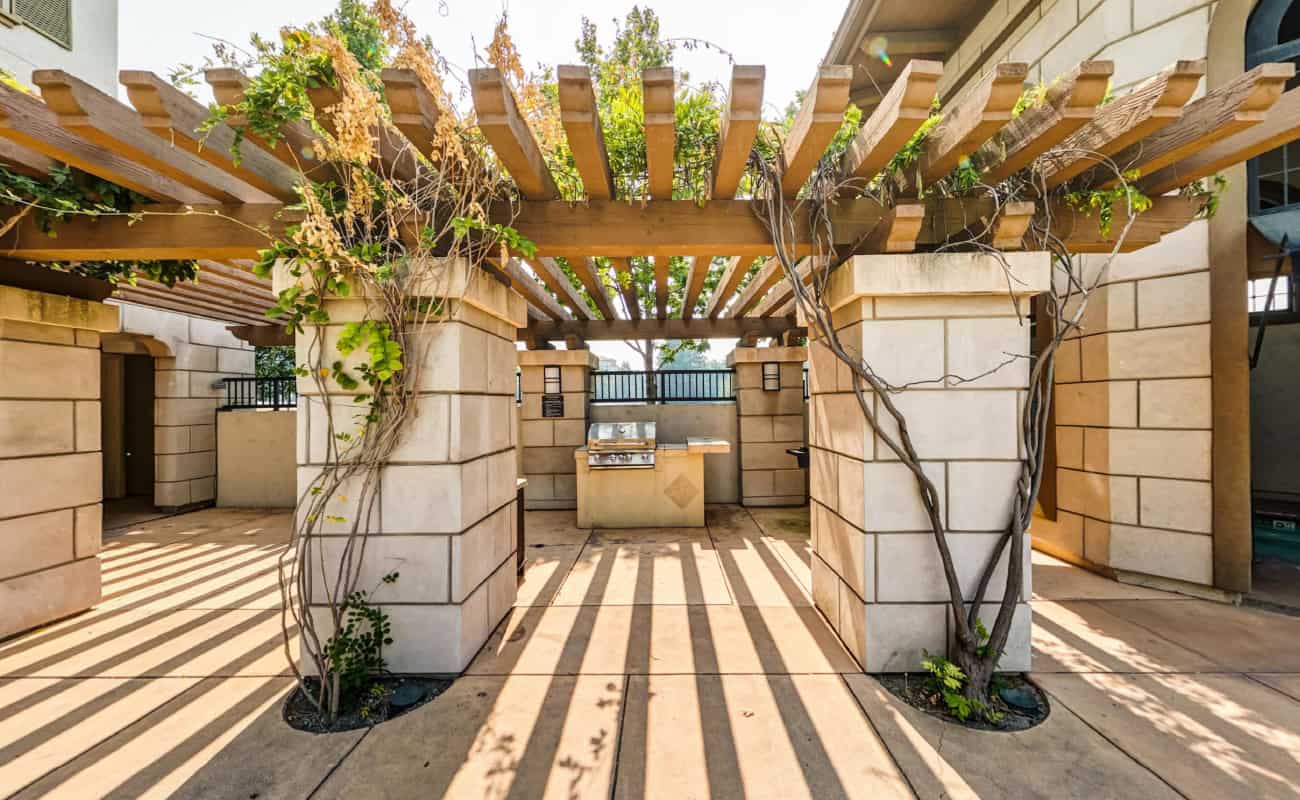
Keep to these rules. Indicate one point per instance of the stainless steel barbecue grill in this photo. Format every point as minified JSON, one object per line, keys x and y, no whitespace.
{"x":621,"y":445}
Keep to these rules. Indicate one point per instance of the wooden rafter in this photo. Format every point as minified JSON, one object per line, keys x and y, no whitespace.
{"x":1071,"y":103}
{"x":622,"y":266}
{"x":415,"y":109}
{"x":588,"y":272}
{"x":559,"y":284}
{"x":25,"y":161}
{"x":218,"y":296}
{"x":297,"y":144}
{"x":26,"y":121}
{"x":600,"y":329}
{"x":583,"y":130}
{"x":782,"y":295}
{"x":395,"y":156}
{"x":658,"y":87}
{"x":819,"y":117}
{"x":533,"y":291}
{"x":97,"y":117}
{"x":1151,"y":106}
{"x":731,"y":278}
{"x":508,"y":133}
{"x":1011,"y":224}
{"x":1237,"y":105}
{"x":1281,"y":127}
{"x":769,"y":272}
{"x":171,"y":301}
{"x":969,"y":122}
{"x":179,"y":119}
{"x":892,"y":123}
{"x":736,"y":133}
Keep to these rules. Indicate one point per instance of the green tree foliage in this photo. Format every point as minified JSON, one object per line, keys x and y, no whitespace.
{"x":275,"y":362}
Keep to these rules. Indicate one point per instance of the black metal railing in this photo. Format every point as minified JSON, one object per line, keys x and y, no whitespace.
{"x":664,"y":386}
{"x":273,"y":393}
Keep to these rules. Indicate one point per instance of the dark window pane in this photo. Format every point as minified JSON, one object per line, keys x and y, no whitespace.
{"x":1271,"y":193}
{"x":1290,"y":28}
{"x":1271,"y":162}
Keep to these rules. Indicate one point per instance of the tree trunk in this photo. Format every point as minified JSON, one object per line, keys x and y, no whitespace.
{"x":647,"y":351}
{"x":979,"y":674}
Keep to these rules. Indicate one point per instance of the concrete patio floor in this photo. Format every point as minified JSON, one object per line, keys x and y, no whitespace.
{"x":660,"y":664}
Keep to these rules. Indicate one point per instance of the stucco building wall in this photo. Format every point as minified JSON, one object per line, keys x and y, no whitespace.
{"x":256,"y":467}
{"x":92,"y":57}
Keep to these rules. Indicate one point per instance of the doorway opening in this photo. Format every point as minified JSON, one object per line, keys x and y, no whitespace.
{"x":127,"y":391}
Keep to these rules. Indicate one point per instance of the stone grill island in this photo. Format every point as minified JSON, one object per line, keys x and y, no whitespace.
{"x":627,"y":479}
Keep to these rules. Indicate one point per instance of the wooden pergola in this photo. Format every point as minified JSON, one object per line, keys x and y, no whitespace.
{"x":209,"y":208}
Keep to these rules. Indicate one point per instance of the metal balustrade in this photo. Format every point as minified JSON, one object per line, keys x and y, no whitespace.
{"x":664,"y":386}
{"x":274,"y":393}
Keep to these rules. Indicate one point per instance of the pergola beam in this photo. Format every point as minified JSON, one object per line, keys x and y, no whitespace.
{"x":25,"y":161}
{"x":658,"y":89}
{"x":588,"y":272}
{"x":178,"y":119}
{"x":559,"y":283}
{"x":97,"y":117}
{"x":1128,"y":119}
{"x":969,"y":122}
{"x":1071,"y":102}
{"x":731,"y":278}
{"x":583,"y":130}
{"x":508,"y":133}
{"x":533,"y":291}
{"x":1281,"y":127}
{"x":605,"y":330}
{"x":815,"y":125}
{"x":737,"y":130}
{"x":1234,"y":107}
{"x":415,"y":109}
{"x":28,"y":122}
{"x":892,"y":123}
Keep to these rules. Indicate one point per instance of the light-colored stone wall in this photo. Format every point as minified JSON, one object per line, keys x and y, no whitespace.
{"x":770,"y":422}
{"x":876,"y":570}
{"x":675,"y":422}
{"x":255,"y":459}
{"x":1133,"y":417}
{"x":1142,"y":37}
{"x":50,"y":462}
{"x":187,"y":393}
{"x":445,"y":516}
{"x":548,"y":443}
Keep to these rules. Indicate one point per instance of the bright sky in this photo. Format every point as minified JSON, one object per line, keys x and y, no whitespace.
{"x":789,"y":38}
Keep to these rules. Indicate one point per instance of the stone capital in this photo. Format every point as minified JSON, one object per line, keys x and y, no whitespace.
{"x":25,"y":305}
{"x":759,"y":355}
{"x":939,"y":274}
{"x":562,"y":358}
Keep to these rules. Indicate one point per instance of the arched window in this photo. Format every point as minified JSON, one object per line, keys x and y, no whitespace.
{"x":1273,"y":34}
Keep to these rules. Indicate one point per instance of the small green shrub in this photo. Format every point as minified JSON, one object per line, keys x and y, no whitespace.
{"x":947,"y":681}
{"x":355,"y":654}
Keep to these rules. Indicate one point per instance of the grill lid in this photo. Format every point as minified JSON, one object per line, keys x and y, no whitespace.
{"x":621,"y":436}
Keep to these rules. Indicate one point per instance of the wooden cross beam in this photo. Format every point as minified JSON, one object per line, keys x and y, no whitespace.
{"x":626,"y":287}
{"x":588,"y":272}
{"x":415,"y":110}
{"x":1151,"y":106}
{"x":29,"y":123}
{"x":731,"y":278}
{"x":736,"y":133}
{"x":583,"y":130}
{"x":24,"y":161}
{"x":892,"y":123}
{"x":508,"y":133}
{"x":97,"y":117}
{"x":559,"y":283}
{"x":1281,"y":127}
{"x":819,"y":118}
{"x":297,"y":143}
{"x":1070,"y":104}
{"x":1237,"y":105}
{"x":178,"y":119}
{"x":657,"y":86}
{"x":969,"y":122}
{"x":604,"y":330}
{"x":533,"y":291}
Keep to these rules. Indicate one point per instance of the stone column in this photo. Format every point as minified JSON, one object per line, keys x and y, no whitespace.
{"x":876,"y":570}
{"x":445,"y":519}
{"x":550,"y":431}
{"x":1133,"y":416}
{"x":771,"y":421}
{"x":51,"y":466}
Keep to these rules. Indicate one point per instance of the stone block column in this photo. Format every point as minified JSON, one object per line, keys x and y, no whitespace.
{"x":876,"y":570}
{"x":549,"y":441}
{"x":1133,"y":416}
{"x":445,"y":517}
{"x":51,"y":480}
{"x":771,"y":417}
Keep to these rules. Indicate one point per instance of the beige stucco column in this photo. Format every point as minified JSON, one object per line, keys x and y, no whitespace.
{"x":50,"y":462}
{"x":771,"y":416}
{"x":1133,"y":415}
{"x":916,"y":319}
{"x":445,"y":520}
{"x":553,"y":423}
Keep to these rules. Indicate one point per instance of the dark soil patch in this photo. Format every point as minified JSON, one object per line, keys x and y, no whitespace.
{"x":395,"y":696}
{"x":913,"y":689}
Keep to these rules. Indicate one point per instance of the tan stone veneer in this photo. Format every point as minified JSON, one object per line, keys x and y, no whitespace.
{"x":50,"y":463}
{"x":445,"y":520}
{"x":771,"y":422}
{"x":548,"y":442}
{"x":916,"y":319}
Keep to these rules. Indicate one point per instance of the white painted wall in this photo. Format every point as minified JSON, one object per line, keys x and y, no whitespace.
{"x":93,"y":56}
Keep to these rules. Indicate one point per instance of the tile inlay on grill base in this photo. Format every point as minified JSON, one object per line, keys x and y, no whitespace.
{"x":626,"y":479}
